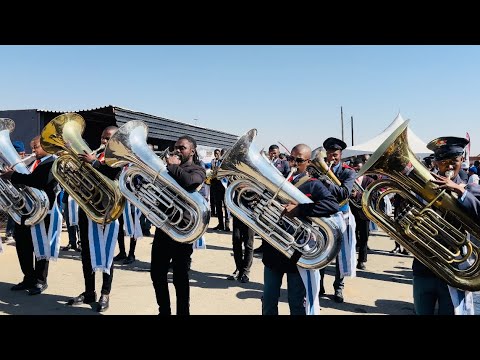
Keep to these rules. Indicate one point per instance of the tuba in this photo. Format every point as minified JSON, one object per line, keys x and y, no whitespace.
{"x":256,"y":194}
{"x":319,"y":164}
{"x":430,"y":223}
{"x":19,"y":201}
{"x":184,"y":216}
{"x":95,"y":193}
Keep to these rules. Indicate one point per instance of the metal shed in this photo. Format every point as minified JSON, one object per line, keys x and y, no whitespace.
{"x":162,"y":132}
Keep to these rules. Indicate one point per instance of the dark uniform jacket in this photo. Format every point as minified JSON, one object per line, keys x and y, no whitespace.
{"x":190,"y":177}
{"x":41,"y":178}
{"x":282,"y":166}
{"x":324,"y":204}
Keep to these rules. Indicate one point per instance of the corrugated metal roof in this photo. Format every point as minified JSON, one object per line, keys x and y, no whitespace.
{"x":167,"y":129}
{"x":159,"y":127}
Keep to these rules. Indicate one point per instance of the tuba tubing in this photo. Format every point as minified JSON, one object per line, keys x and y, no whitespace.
{"x":146,"y":183}
{"x":254,"y":177}
{"x":434,"y":230}
{"x":21,"y":202}
{"x":97,"y":195}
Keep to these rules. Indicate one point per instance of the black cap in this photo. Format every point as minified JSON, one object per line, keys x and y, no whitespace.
{"x":447,"y":147}
{"x":334,"y":144}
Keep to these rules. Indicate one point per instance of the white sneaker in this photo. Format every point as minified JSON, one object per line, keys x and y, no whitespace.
{"x":10,"y":238}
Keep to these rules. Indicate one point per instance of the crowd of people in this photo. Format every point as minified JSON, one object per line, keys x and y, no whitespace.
{"x":335,"y":194}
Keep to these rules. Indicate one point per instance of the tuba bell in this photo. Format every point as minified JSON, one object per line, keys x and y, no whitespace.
{"x":95,"y":193}
{"x":19,"y":201}
{"x":183,"y":215}
{"x":255,"y":196}
{"x":318,"y":162}
{"x":430,"y":223}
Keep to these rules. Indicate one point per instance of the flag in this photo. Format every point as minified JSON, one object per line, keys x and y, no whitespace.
{"x":467,"y":150}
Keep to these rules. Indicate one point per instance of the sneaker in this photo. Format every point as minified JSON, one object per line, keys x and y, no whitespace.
{"x":338,"y":296}
{"x":258,"y":250}
{"x":244,"y":278}
{"x":234,"y":276}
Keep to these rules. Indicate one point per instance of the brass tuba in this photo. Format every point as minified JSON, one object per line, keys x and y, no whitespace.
{"x":255,"y":196}
{"x":95,"y":193}
{"x":18,"y":200}
{"x":318,"y":162}
{"x":430,"y":223}
{"x":183,"y":215}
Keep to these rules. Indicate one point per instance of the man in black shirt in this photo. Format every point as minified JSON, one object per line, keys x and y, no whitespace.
{"x":187,"y":171}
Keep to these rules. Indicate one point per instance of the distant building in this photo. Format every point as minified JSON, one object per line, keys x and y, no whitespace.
{"x":162,"y":132}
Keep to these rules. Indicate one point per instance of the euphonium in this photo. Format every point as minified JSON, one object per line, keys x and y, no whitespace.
{"x":354,"y":201}
{"x":18,"y":200}
{"x":256,"y":195}
{"x":318,"y":162}
{"x":434,"y":230}
{"x":184,"y":216}
{"x":95,"y":193}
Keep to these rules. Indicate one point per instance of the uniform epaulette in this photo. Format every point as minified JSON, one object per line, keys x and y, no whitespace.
{"x":346,"y":166}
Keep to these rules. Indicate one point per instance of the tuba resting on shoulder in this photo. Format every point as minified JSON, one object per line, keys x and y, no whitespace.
{"x":146,"y":183}
{"x":256,"y":194}
{"x":95,"y":193}
{"x":429,"y":222}
{"x":18,"y":200}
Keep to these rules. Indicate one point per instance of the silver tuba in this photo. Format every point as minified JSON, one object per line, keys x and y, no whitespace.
{"x":256,"y":195}
{"x":184,"y":216}
{"x":18,"y":200}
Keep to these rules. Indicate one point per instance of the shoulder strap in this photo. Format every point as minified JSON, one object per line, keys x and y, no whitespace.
{"x":302,"y":181}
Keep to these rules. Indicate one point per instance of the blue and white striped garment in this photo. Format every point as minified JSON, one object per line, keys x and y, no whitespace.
{"x":311,"y":278}
{"x":462,"y":301}
{"x":131,"y":222}
{"x":47,"y":246}
{"x":200,"y":243}
{"x":347,"y":254}
{"x":102,"y":242}
{"x":72,"y":212}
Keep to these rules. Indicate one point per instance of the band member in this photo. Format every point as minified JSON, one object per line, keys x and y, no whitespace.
{"x":187,"y":171}
{"x":346,"y":259}
{"x":362,"y":222}
{"x":242,"y":243}
{"x":281,"y":165}
{"x":276,"y":264}
{"x":35,"y":268}
{"x":428,"y":289}
{"x":87,"y":236}
{"x":217,"y":187}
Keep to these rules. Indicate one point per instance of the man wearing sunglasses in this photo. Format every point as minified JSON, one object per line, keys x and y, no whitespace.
{"x":276,"y":264}
{"x":346,"y":175}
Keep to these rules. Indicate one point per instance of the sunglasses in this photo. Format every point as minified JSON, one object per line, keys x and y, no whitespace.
{"x":297,"y":160}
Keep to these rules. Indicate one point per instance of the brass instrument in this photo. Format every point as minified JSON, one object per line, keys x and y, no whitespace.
{"x":354,"y":201}
{"x":146,"y":183}
{"x":256,"y":196}
{"x":95,"y":193}
{"x":318,"y":162}
{"x":430,"y":224}
{"x":19,"y":201}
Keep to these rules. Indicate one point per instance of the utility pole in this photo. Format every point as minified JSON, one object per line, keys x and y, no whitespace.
{"x":341,"y":119}
{"x":352,"y":128}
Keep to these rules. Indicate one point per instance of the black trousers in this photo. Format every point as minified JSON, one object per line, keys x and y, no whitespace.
{"x":165,"y":249}
{"x":362,"y":233}
{"x":88,"y":273}
{"x":121,"y":240}
{"x":219,"y":195}
{"x":34,"y":271}
{"x":242,"y":235}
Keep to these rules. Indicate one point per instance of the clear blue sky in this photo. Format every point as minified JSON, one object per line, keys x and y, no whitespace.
{"x":291,"y":94}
